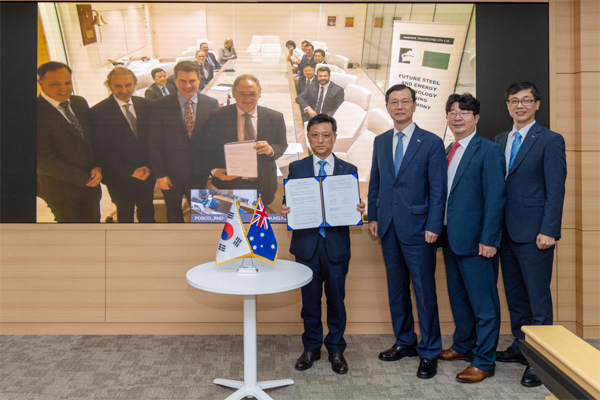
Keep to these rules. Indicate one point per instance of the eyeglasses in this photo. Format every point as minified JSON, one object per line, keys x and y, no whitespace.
{"x":403,"y":103}
{"x":248,"y":95}
{"x":463,"y":114}
{"x":525,"y":102}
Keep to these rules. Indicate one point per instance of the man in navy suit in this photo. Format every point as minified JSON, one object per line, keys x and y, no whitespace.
{"x":407,"y":195}
{"x":68,"y":177}
{"x":309,"y":79}
{"x":178,"y":120}
{"x":473,"y":226}
{"x":535,"y":187}
{"x":326,"y":252}
{"x":324,"y":98}
{"x":120,"y":131}
{"x":160,"y":87}
{"x":242,"y":121}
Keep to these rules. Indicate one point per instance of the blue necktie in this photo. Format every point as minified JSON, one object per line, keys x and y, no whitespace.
{"x":399,"y":153}
{"x":516,"y":145}
{"x":322,"y":173}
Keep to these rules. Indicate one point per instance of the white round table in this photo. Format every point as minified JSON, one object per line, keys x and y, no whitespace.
{"x":282,"y":276}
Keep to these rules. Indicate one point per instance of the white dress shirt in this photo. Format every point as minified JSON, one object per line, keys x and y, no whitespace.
{"x":183,"y":104}
{"x":328,"y":167}
{"x":453,"y":166}
{"x":56,"y":104}
{"x":241,"y":123}
{"x":511,"y":137}
{"x":408,"y":131}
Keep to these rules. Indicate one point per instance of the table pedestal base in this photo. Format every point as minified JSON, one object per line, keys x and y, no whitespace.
{"x":252,"y":391}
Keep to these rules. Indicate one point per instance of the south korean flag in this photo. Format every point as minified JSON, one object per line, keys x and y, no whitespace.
{"x":233,"y":243}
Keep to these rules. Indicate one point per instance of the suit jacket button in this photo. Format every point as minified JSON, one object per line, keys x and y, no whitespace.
{"x":395,"y":187}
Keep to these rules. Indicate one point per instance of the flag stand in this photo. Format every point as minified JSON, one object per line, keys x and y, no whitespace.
{"x":247,"y":269}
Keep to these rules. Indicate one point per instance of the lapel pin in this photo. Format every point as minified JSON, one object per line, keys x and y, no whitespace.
{"x":419,"y":140}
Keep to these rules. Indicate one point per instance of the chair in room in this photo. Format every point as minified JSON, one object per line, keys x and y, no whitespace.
{"x":332,"y":68}
{"x":268,"y":39}
{"x":144,"y":79}
{"x":168,"y":67}
{"x":188,"y":53}
{"x":188,"y":58}
{"x":319,"y":45}
{"x":257,"y":39}
{"x":358,"y":95}
{"x":343,"y":79}
{"x":254,"y":48}
{"x":341,"y":62}
{"x":379,"y":121}
{"x":205,"y":40}
{"x":328,"y":58}
{"x":350,"y":118}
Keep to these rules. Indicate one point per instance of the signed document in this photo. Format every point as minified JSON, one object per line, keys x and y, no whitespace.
{"x":240,"y":159}
{"x":322,"y":201}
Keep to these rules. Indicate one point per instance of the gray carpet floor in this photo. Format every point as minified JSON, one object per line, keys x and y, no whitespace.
{"x":183,"y":367}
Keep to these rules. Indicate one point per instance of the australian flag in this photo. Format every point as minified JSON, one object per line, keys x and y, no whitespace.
{"x":260,"y":235}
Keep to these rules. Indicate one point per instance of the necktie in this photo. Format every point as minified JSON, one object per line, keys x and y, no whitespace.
{"x":455,"y":146}
{"x":516,"y":145}
{"x":189,"y":118}
{"x":399,"y":153}
{"x":202,"y":71}
{"x":131,"y":118}
{"x":210,"y":61}
{"x":164,"y":90}
{"x":248,"y":128}
{"x":320,"y":100}
{"x":322,"y":173}
{"x":71,"y":117}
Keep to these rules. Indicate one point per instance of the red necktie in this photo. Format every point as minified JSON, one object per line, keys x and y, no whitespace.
{"x":189,"y":118}
{"x":455,"y":146}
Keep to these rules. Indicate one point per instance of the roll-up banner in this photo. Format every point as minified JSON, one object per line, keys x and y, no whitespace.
{"x":426,"y":57}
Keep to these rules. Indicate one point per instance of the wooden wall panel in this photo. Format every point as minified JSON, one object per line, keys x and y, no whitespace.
{"x":569,"y":218}
{"x":587,"y":29}
{"x":588,"y":278}
{"x":52,"y":275}
{"x":588,"y":191}
{"x":565,"y":255}
{"x":587,"y":85}
{"x":562,"y":37}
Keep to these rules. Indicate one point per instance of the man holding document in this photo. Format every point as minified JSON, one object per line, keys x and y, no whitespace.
{"x":326,"y":251}
{"x":251,"y":138}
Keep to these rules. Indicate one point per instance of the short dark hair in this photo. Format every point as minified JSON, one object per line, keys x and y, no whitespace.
{"x":321,"y":51}
{"x":119,"y":71}
{"x":518,"y":86}
{"x":52,"y":66}
{"x":186,"y":66}
{"x":324,"y":69}
{"x":305,"y":42}
{"x":200,"y":45}
{"x":290,"y":43}
{"x":320,"y":119}
{"x":397,"y":87}
{"x":311,"y":46}
{"x":156,"y":71}
{"x":248,"y":77}
{"x":465,"y":101}
{"x":310,"y":64}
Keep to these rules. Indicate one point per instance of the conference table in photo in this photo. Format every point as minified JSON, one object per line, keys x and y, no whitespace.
{"x":280,"y":277}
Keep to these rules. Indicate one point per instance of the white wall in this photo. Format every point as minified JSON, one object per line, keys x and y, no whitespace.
{"x":175,"y":27}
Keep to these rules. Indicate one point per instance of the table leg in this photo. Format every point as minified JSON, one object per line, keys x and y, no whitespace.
{"x":250,"y":387}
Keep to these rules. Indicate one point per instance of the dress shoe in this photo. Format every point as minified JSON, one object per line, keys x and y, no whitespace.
{"x":307,"y":359}
{"x":511,"y":356}
{"x":473,"y":375}
{"x":396,"y":353}
{"x":338,"y":363}
{"x":530,"y":378}
{"x":450,"y":355}
{"x":427,"y":368}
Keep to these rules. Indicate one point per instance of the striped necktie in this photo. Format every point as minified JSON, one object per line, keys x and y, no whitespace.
{"x":516,"y":145}
{"x":131,"y":118}
{"x":71,"y":117}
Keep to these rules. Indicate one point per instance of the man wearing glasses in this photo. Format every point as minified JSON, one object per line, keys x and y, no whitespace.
{"x":536,"y":170}
{"x":407,"y":196}
{"x":472,"y":230}
{"x":244,"y":121}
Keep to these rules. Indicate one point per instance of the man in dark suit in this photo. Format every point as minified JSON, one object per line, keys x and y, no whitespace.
{"x":160,"y":87}
{"x":325,"y":251}
{"x":322,"y":99}
{"x":308,"y":57}
{"x":246,"y":121}
{"x":68,"y":177}
{"x":120,"y":131}
{"x":206,"y":70}
{"x":210,"y":57}
{"x":535,"y":187}
{"x":473,"y":226}
{"x":407,"y":195}
{"x":309,"y":78}
{"x":320,"y":56}
{"x":178,"y":120}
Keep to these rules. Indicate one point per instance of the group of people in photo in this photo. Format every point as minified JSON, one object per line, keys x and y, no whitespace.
{"x":479,"y":200}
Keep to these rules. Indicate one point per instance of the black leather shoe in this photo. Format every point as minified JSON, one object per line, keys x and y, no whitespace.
{"x":511,"y":356}
{"x":530,"y":378}
{"x":396,"y":353}
{"x":427,"y":368}
{"x":338,"y":363}
{"x":307,"y":359}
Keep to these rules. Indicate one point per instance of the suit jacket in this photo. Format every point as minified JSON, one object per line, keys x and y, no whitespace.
{"x":214,"y":60}
{"x":154,"y":92}
{"x":304,"y":241}
{"x":171,"y":152}
{"x":305,"y":60}
{"x":301,"y":85}
{"x":64,"y":158}
{"x":476,"y":203}
{"x":209,"y":70}
{"x":416,"y":197}
{"x":535,"y":185}
{"x":118,"y":150}
{"x":333,"y":98}
{"x":221,"y":128}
